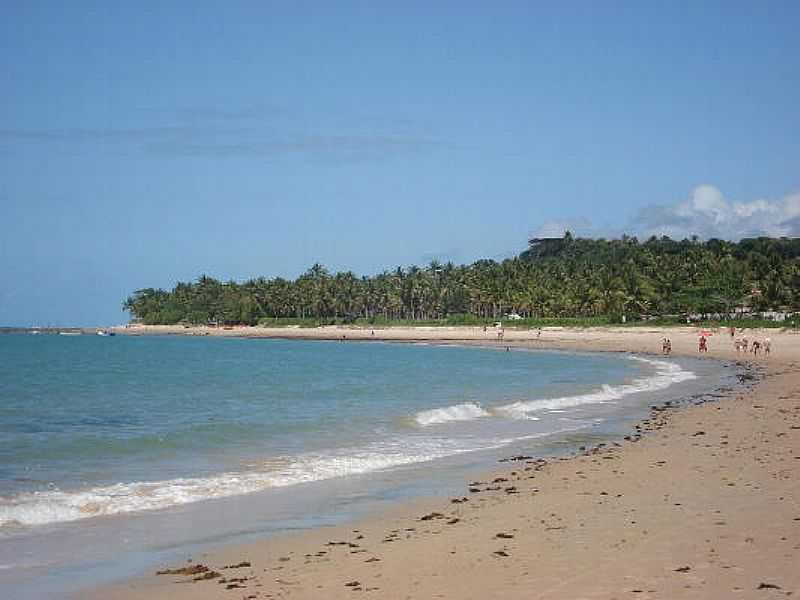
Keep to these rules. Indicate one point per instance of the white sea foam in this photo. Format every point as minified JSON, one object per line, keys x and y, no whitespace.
{"x":458,"y":412}
{"x":54,"y":506}
{"x":666,"y":374}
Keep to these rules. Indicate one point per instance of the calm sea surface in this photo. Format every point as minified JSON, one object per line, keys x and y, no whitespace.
{"x":140,"y":438}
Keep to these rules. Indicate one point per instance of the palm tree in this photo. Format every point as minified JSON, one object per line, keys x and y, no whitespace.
{"x":569,"y":277}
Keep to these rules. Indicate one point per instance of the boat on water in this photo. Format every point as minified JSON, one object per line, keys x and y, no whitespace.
{"x":70,"y":333}
{"x":105,"y":333}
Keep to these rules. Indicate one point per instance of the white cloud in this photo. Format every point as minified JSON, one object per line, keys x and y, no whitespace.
{"x":707,"y":213}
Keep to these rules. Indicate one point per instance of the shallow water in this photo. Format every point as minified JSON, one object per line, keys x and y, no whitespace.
{"x":121,"y":446}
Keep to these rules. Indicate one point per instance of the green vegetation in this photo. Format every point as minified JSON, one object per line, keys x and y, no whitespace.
{"x":564,"y":281}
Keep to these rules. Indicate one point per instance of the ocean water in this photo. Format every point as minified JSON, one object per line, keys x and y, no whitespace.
{"x":121,"y":446}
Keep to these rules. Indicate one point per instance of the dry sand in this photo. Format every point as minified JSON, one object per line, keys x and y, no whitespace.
{"x":705,"y":504}
{"x":638,"y":339}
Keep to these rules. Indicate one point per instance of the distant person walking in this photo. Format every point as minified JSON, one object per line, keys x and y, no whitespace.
{"x":702,"y":344}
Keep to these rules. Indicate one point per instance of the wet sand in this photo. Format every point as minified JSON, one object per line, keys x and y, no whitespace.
{"x":698,"y":502}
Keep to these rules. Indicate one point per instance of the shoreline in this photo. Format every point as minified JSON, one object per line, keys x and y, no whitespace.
{"x":440,"y":548}
{"x":641,"y":339}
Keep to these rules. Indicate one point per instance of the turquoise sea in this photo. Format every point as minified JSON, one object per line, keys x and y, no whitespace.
{"x":116,"y":452}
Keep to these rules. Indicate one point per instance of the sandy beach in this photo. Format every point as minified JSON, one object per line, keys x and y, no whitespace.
{"x":641,"y":339}
{"x":698,"y":502}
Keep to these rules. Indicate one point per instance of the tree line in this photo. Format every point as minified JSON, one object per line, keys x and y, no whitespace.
{"x":553,"y":278}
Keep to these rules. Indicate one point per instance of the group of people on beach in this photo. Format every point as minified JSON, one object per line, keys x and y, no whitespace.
{"x":755,"y":347}
{"x":740,"y":344}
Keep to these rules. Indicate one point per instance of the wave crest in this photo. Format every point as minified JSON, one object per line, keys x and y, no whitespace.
{"x":667,"y":373}
{"x":53,"y":506}
{"x":458,"y":412}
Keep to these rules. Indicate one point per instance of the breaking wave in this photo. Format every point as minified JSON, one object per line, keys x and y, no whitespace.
{"x":458,"y":412}
{"x":666,"y":374}
{"x":53,"y":506}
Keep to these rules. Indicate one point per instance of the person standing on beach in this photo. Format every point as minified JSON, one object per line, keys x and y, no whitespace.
{"x":767,"y":346}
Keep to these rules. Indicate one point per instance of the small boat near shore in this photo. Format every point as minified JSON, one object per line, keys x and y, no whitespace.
{"x":105,"y":333}
{"x":70,"y":333}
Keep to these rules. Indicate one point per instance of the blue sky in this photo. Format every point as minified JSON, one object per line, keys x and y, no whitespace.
{"x":147,"y":143}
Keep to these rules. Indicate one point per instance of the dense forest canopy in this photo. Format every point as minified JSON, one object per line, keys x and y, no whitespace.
{"x":552,"y":278}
